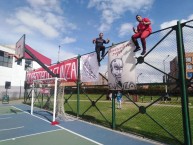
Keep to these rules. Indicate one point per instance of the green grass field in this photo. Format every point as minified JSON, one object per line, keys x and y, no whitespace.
{"x":162,"y":121}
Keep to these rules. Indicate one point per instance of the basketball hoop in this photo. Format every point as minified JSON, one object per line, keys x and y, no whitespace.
{"x":20,"y":48}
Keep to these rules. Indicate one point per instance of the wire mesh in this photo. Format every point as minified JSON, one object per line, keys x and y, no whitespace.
{"x":188,"y":45}
{"x":154,"y":110}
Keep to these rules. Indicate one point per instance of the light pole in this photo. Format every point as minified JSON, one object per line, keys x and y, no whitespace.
{"x":138,"y":77}
{"x":166,"y":89}
{"x":59,"y":54}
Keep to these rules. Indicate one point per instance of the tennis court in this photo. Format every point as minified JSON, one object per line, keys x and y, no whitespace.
{"x":19,"y":127}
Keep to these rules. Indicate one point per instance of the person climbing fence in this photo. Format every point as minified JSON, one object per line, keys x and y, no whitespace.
{"x":143,"y":30}
{"x":100,"y":47}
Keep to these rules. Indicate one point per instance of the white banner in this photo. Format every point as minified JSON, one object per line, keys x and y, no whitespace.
{"x":121,"y":67}
{"x":89,"y":68}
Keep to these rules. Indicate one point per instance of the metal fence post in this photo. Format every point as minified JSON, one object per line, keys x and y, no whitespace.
{"x":78,"y":87}
{"x":113,"y":109}
{"x":183,"y":85}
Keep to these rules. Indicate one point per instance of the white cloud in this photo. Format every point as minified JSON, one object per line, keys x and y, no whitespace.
{"x":168,"y":24}
{"x":45,"y":5}
{"x":190,"y":17}
{"x":113,"y":9}
{"x":12,"y":21}
{"x":174,"y":22}
{"x":104,"y":27}
{"x":125,"y":29}
{"x":42,"y":16}
{"x":187,"y":34}
{"x":22,"y":29}
{"x":68,"y":40}
{"x":108,"y":16}
{"x":34,"y":22}
{"x":64,"y":55}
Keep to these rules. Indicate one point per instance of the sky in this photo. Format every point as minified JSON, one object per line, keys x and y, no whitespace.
{"x":73,"y":24}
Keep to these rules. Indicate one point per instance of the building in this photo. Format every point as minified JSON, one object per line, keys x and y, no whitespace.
{"x":13,"y":74}
{"x":174,"y":70}
{"x":189,"y":65}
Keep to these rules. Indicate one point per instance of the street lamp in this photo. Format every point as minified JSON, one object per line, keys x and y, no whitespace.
{"x":59,"y":54}
{"x":138,"y":77}
{"x":166,"y":90}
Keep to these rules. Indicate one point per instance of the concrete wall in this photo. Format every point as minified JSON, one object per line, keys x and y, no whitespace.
{"x":16,"y":75}
{"x":16,"y":92}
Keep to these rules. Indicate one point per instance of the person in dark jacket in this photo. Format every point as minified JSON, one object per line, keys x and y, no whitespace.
{"x":100,"y":47}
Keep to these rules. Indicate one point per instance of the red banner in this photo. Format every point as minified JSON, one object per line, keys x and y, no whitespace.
{"x":66,"y":69}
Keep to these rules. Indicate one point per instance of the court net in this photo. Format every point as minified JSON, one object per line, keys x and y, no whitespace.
{"x":48,"y":95}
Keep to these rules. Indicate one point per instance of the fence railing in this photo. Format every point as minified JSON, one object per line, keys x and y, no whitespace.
{"x":161,"y":107}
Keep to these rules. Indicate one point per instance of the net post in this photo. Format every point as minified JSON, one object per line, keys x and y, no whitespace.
{"x":55,"y":94}
{"x":183,"y":87}
{"x":113,"y":110}
{"x":78,"y":88}
{"x":32,"y":100}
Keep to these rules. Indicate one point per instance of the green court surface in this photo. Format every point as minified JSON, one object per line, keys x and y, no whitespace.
{"x":57,"y":137}
{"x":19,"y":127}
{"x":8,"y":110}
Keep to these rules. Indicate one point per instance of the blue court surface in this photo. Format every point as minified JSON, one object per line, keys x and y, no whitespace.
{"x":19,"y":127}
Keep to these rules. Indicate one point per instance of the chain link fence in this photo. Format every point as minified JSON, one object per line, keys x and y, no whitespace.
{"x":188,"y":46}
{"x":155,"y":109}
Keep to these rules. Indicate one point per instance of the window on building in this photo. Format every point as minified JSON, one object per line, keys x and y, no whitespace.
{"x":19,"y":62}
{"x":5,"y":59}
{"x":28,"y":64}
{"x":188,"y":59}
{"x":1,"y":53}
{"x":189,"y":66}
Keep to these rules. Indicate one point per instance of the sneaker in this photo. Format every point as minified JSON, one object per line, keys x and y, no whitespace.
{"x":137,"y":49}
{"x":143,"y":52}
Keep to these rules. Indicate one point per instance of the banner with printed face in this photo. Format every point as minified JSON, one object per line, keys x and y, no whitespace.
{"x":121,"y":67}
{"x":89,"y":68}
{"x":66,"y":69}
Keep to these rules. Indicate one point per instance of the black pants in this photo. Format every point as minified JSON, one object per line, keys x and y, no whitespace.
{"x":98,"y":49}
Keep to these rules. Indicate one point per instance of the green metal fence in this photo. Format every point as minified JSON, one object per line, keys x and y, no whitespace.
{"x":162,"y":106}
{"x":158,"y":109}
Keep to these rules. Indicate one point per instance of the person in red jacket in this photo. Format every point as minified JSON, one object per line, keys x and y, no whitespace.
{"x":143,"y":31}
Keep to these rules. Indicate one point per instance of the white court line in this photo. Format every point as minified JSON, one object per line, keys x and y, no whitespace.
{"x":79,"y":135}
{"x":29,"y":135}
{"x":63,"y":128}
{"x":5,"y":118}
{"x":12,"y":128}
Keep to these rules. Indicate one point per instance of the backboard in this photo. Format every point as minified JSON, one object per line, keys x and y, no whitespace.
{"x":20,"y":48}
